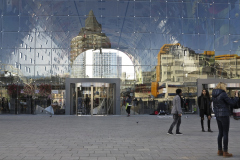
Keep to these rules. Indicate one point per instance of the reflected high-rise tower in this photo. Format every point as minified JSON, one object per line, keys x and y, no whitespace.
{"x":89,"y":37}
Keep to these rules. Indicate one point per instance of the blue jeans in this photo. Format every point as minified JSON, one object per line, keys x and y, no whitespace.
{"x":223,"y":128}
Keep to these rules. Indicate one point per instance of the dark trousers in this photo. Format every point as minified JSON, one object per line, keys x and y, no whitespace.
{"x":88,"y":109}
{"x":128,"y":109}
{"x":208,"y":123}
{"x":176,"y":120}
{"x":223,"y":128}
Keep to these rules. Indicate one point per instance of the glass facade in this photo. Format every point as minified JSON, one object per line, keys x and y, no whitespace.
{"x":154,"y":46}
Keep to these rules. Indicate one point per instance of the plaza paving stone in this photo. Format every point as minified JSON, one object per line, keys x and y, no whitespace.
{"x":40,"y":137}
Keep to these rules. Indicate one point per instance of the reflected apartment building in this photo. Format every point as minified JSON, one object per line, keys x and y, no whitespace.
{"x":180,"y":67}
{"x":23,"y":61}
{"x":93,"y":64}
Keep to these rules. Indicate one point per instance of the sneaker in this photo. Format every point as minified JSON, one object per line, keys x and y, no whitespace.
{"x":179,"y":133}
{"x":170,"y":133}
{"x":209,"y":130}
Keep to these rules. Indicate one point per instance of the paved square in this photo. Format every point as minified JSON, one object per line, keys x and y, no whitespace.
{"x":39,"y":137}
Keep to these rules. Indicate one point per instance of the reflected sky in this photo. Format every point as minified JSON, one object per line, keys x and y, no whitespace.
{"x":139,"y":28}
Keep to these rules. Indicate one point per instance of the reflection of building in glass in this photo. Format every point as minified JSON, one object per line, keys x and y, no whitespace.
{"x":89,"y":37}
{"x":106,"y":65}
{"x":228,"y":66}
{"x":147,"y":77}
{"x":177,"y":63}
{"x":92,"y":64}
{"x":23,"y":61}
{"x":119,"y":67}
{"x":79,"y":66}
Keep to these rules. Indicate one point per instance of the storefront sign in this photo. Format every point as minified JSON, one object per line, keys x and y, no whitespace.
{"x":55,"y":91}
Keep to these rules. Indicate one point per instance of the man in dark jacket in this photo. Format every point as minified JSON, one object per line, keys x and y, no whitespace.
{"x":128,"y":105}
{"x":221,"y":104}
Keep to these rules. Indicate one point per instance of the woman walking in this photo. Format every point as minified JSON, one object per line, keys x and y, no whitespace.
{"x":221,"y":104}
{"x":204,"y":104}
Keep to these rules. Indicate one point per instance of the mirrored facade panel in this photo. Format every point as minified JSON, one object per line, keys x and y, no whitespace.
{"x":10,"y":23}
{"x":191,"y":40}
{"x":221,"y":26}
{"x":221,"y":42}
{"x":43,"y":40}
{"x":158,"y":9}
{"x":174,"y":10}
{"x":156,"y":39}
{"x":26,"y":24}
{"x":42,"y":56}
{"x":203,"y":10}
{"x":142,"y":40}
{"x":0,"y":40}
{"x":150,"y":45}
{"x":112,"y":10}
{"x":27,"y":40}
{"x":205,"y":26}
{"x":77,"y":8}
{"x":233,"y":26}
{"x":1,"y":11}
{"x":10,"y":40}
{"x":221,"y":10}
{"x":126,"y":9}
{"x":10,"y":8}
{"x":205,"y":42}
{"x":189,"y":10}
{"x":128,"y":25}
{"x":142,"y":25}
{"x":111,"y":24}
{"x":62,"y":8}
{"x":186,"y":23}
{"x":142,"y":9}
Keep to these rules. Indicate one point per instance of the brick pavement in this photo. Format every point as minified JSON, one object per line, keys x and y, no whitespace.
{"x":39,"y":137}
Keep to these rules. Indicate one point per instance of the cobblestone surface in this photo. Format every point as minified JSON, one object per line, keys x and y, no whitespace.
{"x":40,"y":137}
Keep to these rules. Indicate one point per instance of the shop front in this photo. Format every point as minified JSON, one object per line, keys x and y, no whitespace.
{"x":92,"y":96}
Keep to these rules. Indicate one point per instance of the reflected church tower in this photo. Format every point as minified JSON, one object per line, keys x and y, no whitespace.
{"x":89,"y":37}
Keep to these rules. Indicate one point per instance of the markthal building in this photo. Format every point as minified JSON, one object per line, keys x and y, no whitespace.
{"x":84,"y":57}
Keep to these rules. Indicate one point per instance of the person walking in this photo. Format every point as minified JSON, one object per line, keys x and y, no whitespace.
{"x":177,"y":112}
{"x":221,"y":104}
{"x":128,"y":105}
{"x":87,"y":101}
{"x":204,"y":104}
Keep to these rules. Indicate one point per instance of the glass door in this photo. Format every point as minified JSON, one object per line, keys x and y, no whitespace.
{"x":83,"y":99}
{"x":103,"y":99}
{"x":98,"y":96}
